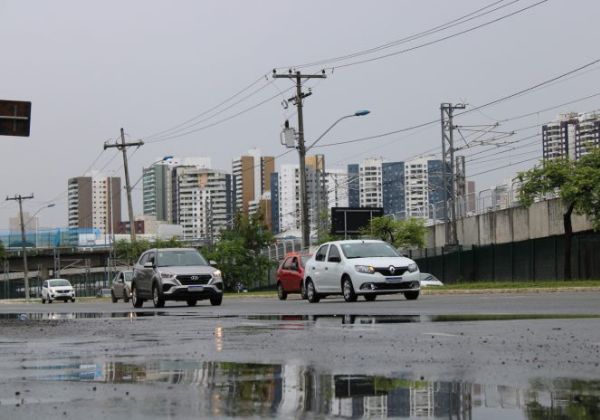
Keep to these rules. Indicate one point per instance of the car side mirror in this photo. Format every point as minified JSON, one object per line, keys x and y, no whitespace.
{"x":335,"y":259}
{"x":148,"y":264}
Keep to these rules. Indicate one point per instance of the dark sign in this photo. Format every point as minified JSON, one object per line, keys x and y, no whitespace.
{"x":349,"y":220}
{"x":15,"y":118}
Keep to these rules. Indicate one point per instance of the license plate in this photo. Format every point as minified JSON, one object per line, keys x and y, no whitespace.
{"x":195,"y":288}
{"x":393,"y":279}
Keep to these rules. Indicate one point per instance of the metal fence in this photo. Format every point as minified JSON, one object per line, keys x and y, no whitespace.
{"x":530,"y":260}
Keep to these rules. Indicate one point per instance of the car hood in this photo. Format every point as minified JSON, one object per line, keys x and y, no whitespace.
{"x":381,"y":262}
{"x":62,"y":288}
{"x":192,"y":269}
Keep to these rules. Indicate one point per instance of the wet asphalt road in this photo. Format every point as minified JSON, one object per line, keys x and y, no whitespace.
{"x":472,"y":356}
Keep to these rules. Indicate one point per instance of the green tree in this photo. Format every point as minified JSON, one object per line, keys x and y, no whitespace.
{"x":238,"y":252}
{"x":578,"y":185}
{"x":2,"y":251}
{"x":409,"y":233}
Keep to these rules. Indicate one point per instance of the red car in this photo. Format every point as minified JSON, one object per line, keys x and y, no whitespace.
{"x":290,"y":275}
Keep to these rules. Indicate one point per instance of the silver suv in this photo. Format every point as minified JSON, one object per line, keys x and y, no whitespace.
{"x":175,"y":274}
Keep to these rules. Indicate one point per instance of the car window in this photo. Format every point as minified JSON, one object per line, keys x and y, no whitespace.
{"x":294,"y":265}
{"x":333,"y":252}
{"x":368,"y":250}
{"x":57,"y":283}
{"x":184,"y":257}
{"x":287,"y":264}
{"x":321,"y":253}
{"x":143,"y":259}
{"x":128,"y":275}
{"x":45,"y":284}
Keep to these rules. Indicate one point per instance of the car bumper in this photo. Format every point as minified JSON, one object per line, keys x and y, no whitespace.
{"x":192,"y":292}
{"x":376,"y":284}
{"x":64,"y":296}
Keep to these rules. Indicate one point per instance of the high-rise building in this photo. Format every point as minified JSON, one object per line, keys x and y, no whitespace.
{"x":393,"y":188}
{"x":158,"y":185}
{"x":275,"y":228}
{"x":353,"y":185}
{"x":252,"y":175}
{"x":203,"y":201}
{"x":370,"y":180}
{"x":571,"y":135}
{"x":94,"y":202}
{"x":424,"y":189}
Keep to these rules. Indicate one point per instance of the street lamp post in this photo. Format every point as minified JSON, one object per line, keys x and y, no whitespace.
{"x":37,"y":223}
{"x":302,"y":150}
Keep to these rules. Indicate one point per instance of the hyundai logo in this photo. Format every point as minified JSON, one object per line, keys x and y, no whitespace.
{"x":194,"y":278}
{"x":392,"y":269}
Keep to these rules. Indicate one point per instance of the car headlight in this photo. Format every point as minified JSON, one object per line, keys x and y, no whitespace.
{"x":412,"y":267}
{"x":217,"y":274}
{"x":364,"y":269}
{"x":167,"y":275}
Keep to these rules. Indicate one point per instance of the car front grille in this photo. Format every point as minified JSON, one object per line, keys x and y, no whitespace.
{"x":198,"y":279}
{"x":398,"y":271}
{"x":393,"y":286}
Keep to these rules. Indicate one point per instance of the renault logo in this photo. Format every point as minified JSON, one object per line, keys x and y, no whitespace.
{"x":392,"y":269}
{"x":194,"y":278}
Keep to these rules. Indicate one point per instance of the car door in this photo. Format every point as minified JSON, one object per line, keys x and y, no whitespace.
{"x":316,"y":269}
{"x":284,"y":273}
{"x":144,"y":274}
{"x":333,"y":269}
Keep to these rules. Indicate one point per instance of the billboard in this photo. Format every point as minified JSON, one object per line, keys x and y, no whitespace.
{"x":15,"y":118}
{"x":350,"y":220}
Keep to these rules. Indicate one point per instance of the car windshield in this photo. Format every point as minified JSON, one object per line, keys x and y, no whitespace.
{"x":57,"y":283}
{"x":368,"y":250}
{"x":180,"y":258}
{"x":127,"y":275}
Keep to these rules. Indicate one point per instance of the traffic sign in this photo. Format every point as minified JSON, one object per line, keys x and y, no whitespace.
{"x":15,"y":118}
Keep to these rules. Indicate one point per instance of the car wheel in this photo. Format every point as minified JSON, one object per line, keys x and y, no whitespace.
{"x":135,"y":300}
{"x":157,"y":299}
{"x":216,"y":300}
{"x":73,"y":300}
{"x":348,"y":290}
{"x":49,"y":300}
{"x":303,"y":291}
{"x":311,"y":293}
{"x":412,"y":295}
{"x":113,"y":297}
{"x":192,"y":302}
{"x":43,"y":300}
{"x":125,"y":296}
{"x":281,"y":294}
{"x":370,"y":298}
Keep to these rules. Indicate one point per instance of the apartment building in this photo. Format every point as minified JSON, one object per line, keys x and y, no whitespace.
{"x":370,"y":182}
{"x":94,"y":201}
{"x":424,"y":191}
{"x":252,"y":175}
{"x":571,"y":135}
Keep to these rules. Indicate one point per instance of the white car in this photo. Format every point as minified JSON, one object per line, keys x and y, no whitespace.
{"x":57,"y":289}
{"x":360,"y":267}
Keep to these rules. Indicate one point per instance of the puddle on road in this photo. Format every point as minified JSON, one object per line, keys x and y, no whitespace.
{"x":343,"y":319}
{"x":244,"y":389}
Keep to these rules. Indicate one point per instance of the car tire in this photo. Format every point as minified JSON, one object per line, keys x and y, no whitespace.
{"x":348,"y":290}
{"x":302,"y":291}
{"x":43,"y":301}
{"x":311,"y":293}
{"x":192,"y":302}
{"x":412,"y":295}
{"x":72,"y":300}
{"x":49,"y":300}
{"x":125,"y":297}
{"x":135,"y":300}
{"x":157,"y":299}
{"x":370,"y":298}
{"x":216,"y":300}
{"x":281,"y":294}
{"x":113,"y":297}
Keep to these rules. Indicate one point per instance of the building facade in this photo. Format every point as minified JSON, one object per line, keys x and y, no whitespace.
{"x":94,"y":201}
{"x":370,"y":182}
{"x":571,"y":135}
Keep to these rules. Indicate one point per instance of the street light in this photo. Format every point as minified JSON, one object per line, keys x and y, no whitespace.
{"x":37,"y":223}
{"x":303,"y":196}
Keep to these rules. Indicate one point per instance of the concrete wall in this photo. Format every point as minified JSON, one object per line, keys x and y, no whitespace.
{"x":542,"y":219}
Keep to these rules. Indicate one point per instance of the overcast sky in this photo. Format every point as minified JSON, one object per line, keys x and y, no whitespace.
{"x":90,"y":68}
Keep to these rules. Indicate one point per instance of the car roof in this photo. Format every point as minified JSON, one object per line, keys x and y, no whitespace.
{"x":356,"y":241}
{"x":58,"y":279}
{"x":172,"y":249}
{"x":298,"y":254}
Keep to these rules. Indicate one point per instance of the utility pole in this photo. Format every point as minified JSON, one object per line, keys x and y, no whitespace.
{"x":123,"y":147}
{"x":301,"y":147}
{"x":461,"y":187}
{"x":20,"y":199}
{"x":448,"y":170}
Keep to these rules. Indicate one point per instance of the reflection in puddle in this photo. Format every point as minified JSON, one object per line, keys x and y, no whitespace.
{"x":245,"y":389}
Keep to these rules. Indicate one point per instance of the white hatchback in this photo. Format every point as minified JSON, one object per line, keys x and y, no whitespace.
{"x":360,"y":268}
{"x":57,"y":289}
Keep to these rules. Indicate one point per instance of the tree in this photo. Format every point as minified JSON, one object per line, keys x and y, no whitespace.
{"x":400,"y":233}
{"x":578,"y":185}
{"x":2,"y":251}
{"x":131,"y":251}
{"x":238,"y":252}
